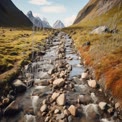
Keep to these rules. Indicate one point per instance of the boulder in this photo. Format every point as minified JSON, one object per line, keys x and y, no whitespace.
{"x":19,"y":86}
{"x":58,"y":82}
{"x":12,"y":109}
{"x":92,"y":83}
{"x":100,"y":30}
{"x":73,"y":110}
{"x":61,"y":100}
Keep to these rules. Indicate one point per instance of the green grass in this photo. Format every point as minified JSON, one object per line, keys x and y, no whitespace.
{"x":15,"y":48}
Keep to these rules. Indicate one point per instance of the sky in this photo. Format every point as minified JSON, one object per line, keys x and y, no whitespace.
{"x":52,"y":10}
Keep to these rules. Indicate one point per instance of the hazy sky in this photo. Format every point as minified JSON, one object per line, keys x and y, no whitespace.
{"x":52,"y":10}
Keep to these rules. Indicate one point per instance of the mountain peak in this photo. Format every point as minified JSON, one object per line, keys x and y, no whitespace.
{"x":58,"y":24}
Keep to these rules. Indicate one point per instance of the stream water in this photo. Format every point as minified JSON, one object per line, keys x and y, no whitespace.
{"x":30,"y":100}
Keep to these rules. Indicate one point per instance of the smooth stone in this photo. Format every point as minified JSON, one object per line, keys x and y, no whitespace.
{"x":66,"y":112}
{"x":117,"y":105}
{"x":47,"y":119}
{"x":84,"y":75}
{"x":92,"y":83}
{"x":55,"y":95}
{"x":102,"y":105}
{"x":73,"y":110}
{"x":61,"y":100}
{"x":56,"y":111}
{"x":43,"y":108}
{"x":59,"y":82}
{"x":84,"y":99}
{"x":60,"y":116}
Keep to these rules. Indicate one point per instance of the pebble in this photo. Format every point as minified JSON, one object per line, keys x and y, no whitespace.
{"x":102,"y":105}
{"x":43,"y":108}
{"x":73,"y":110}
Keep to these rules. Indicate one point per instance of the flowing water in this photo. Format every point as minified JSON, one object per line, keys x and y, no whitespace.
{"x":31,"y":99}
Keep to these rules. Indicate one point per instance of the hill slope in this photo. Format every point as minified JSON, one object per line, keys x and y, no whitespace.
{"x":98,"y":12}
{"x":104,"y":54}
{"x":11,"y":16}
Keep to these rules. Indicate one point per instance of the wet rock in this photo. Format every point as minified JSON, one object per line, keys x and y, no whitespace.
{"x":66,"y":112}
{"x":61,"y":100}
{"x":70,"y":118}
{"x":19,"y":86}
{"x":92,"y":83}
{"x":55,"y":95}
{"x":102,"y":105}
{"x":56,"y":111}
{"x":110,"y":110}
{"x":5,"y":101}
{"x":43,"y":75}
{"x":12,"y":109}
{"x":1,"y":113}
{"x":47,"y":119}
{"x":60,"y":116}
{"x":30,"y":118}
{"x":84,"y":75}
{"x":58,"y":82}
{"x":91,"y":111}
{"x":73,"y":110}
{"x":43,"y":108}
{"x":84,"y":99}
{"x":117,"y":105}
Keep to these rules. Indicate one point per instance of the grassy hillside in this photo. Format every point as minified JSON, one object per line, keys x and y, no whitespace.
{"x":104,"y":54}
{"x":15,"y":47}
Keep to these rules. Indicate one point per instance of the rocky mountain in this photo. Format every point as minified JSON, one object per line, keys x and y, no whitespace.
{"x":97,"y":8}
{"x":11,"y":16}
{"x":58,"y":24}
{"x":37,"y":21}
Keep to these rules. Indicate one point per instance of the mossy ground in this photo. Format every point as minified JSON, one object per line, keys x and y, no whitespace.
{"x":15,"y":47}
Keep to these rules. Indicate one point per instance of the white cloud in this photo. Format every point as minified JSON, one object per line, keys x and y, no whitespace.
{"x":69,"y":20}
{"x":39,"y":2}
{"x":54,"y":9}
{"x":36,"y":14}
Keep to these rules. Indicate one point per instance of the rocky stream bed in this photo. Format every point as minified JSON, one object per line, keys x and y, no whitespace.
{"x":56,"y":87}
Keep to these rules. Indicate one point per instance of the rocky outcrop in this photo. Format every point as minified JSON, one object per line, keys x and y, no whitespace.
{"x":11,"y":16}
{"x":37,"y":21}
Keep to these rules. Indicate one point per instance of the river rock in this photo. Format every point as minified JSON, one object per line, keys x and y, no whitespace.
{"x":102,"y":105}
{"x":92,"y":83}
{"x":30,"y":118}
{"x":56,"y":111}
{"x":73,"y":110}
{"x":60,"y":116}
{"x":19,"y":86}
{"x":84,"y":75}
{"x":66,"y":112}
{"x":12,"y":109}
{"x":58,"y":82}
{"x":84,"y":99}
{"x":91,"y":111}
{"x":43,"y":108}
{"x":61,"y":100}
{"x":117,"y":105}
{"x":55,"y":95}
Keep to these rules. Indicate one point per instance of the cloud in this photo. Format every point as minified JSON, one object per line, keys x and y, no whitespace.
{"x":36,"y":14}
{"x":69,"y":20}
{"x":53,"y":9}
{"x":39,"y":2}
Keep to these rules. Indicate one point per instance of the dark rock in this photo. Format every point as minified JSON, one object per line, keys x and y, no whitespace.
{"x":12,"y":109}
{"x":19,"y":86}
